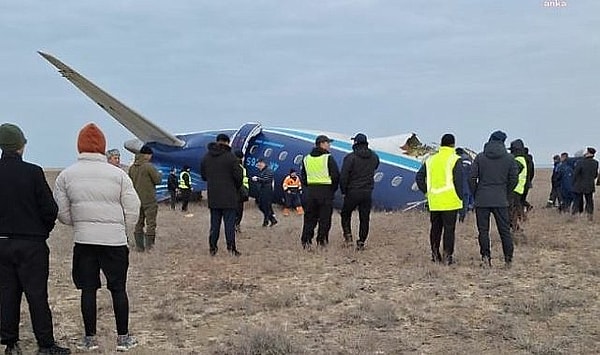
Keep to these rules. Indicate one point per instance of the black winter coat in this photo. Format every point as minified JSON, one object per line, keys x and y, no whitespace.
{"x":586,"y":171}
{"x":27,"y":208}
{"x":494,"y":174}
{"x":358,"y":169}
{"x":221,"y":170}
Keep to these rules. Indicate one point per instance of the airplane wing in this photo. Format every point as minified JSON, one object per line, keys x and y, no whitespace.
{"x":133,"y":121}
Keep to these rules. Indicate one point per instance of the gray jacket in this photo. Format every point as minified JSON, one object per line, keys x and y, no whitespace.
{"x":493,"y":175}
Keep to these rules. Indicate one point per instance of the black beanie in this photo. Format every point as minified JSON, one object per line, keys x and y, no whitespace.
{"x":448,"y":140}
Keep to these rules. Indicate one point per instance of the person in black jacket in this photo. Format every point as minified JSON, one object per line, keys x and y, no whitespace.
{"x":264,"y":179}
{"x":493,"y":176}
{"x":529,"y":184}
{"x":172,"y":183}
{"x":356,"y":184}
{"x":554,"y":198}
{"x":27,"y":215}
{"x":586,"y":171}
{"x":222,"y":172}
{"x":321,"y":176}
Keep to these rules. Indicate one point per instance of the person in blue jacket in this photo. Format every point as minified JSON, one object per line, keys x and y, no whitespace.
{"x":564,"y":180}
{"x":466,"y":161}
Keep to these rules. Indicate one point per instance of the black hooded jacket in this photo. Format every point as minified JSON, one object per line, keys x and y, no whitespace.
{"x":334,"y":173}
{"x":358,"y":169}
{"x":586,"y":171}
{"x":221,"y":170}
{"x":493,"y":175}
{"x":27,"y":208}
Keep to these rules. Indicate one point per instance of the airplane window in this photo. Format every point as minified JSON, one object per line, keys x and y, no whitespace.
{"x":268,"y":152}
{"x":298,"y":159}
{"x":283,"y":155}
{"x":414,"y":187}
{"x":253,"y":149}
{"x":378,"y":176}
{"x":397,"y":180}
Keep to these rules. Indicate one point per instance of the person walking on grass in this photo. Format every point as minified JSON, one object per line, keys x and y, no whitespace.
{"x":221,"y":170}
{"x":145,"y":177}
{"x":99,"y":201}
{"x":441,"y":180}
{"x":264,"y":179}
{"x":27,"y":215}
{"x":493,"y":176}
{"x":356,"y":184}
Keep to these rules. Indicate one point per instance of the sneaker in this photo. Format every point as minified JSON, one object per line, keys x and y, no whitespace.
{"x":307,"y":246}
{"x":54,"y":350}
{"x":213,"y":251}
{"x":88,"y":343}
{"x":126,"y":342}
{"x":273,"y":222}
{"x":13,"y":349}
{"x":265,"y":223}
{"x":449,"y":260}
{"x":234,"y":252}
{"x":486,"y":262}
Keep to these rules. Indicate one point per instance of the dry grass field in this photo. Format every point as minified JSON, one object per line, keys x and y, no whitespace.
{"x":388,"y":299}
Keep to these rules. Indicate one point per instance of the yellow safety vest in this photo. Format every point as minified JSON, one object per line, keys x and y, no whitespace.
{"x":441,"y":194}
{"x":245,"y":177}
{"x":182,"y":184}
{"x":317,"y":170}
{"x":520,"y":188}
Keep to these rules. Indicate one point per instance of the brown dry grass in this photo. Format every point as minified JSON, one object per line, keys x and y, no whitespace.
{"x":389,"y":299}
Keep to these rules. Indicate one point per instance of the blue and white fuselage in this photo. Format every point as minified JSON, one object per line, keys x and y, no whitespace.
{"x":283,"y":148}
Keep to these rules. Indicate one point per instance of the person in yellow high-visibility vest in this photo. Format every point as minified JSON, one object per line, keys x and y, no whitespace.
{"x":185,"y":187}
{"x":440,"y":179}
{"x":516,"y":207}
{"x":320,"y":175}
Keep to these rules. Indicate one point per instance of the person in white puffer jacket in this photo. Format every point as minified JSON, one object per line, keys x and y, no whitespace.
{"x":99,"y":201}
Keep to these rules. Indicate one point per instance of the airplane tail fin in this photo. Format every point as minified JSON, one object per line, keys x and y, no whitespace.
{"x":133,"y":121}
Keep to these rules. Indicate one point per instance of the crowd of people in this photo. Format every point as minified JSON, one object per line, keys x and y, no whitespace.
{"x":496,"y":183}
{"x":103,"y":202}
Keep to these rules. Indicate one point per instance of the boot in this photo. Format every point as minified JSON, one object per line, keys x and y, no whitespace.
{"x":150,"y":239}
{"x":139,"y":242}
{"x":286,"y":211}
{"x":299,"y":210}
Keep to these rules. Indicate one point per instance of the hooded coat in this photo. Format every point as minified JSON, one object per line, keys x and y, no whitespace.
{"x":493,"y":175}
{"x":223,"y":174}
{"x":358,"y":169}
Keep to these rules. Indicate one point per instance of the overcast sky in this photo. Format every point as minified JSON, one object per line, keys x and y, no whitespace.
{"x":379,"y":67}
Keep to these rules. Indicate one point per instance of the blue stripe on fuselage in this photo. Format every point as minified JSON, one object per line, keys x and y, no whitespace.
{"x":404,"y":162}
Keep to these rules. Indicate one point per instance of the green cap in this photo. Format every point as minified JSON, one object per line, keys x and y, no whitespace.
{"x":11,"y":137}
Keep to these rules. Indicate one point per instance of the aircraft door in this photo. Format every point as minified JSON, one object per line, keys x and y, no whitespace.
{"x":242,"y":137}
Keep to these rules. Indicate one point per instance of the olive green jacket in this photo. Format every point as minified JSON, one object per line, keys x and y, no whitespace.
{"x":145,"y":177}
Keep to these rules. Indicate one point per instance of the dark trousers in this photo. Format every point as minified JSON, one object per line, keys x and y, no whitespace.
{"x":292,"y":199}
{"x":352,"y":200}
{"x":554,"y":198}
{"x":442,"y":221}
{"x":578,"y":203}
{"x":318,"y":210}
{"x":239,"y":213}
{"x":566,"y":200}
{"x":113,"y":261}
{"x":185,"y":198}
{"x":516,"y":210}
{"x":503,"y":225}
{"x":265,"y":202}
{"x":227,"y":215}
{"x":173,"y":199}
{"x":24,"y":269}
